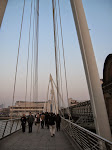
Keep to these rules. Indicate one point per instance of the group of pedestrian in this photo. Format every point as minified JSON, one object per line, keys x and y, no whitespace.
{"x":29,"y":119}
{"x":50,"y":120}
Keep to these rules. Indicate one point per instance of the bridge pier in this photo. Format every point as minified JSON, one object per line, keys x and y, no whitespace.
{"x":91,"y":71}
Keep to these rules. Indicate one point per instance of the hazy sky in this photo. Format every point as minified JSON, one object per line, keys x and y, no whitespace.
{"x":99,"y":19}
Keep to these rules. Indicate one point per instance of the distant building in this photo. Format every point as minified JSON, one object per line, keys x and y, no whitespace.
{"x":1,"y":106}
{"x":4,"y":112}
{"x":72,"y":102}
{"x":21,"y":107}
{"x":107,"y":85}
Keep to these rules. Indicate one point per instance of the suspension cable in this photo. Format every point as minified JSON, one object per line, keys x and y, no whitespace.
{"x":56,"y":89}
{"x":17,"y":59}
{"x":47,"y":101}
{"x":59,"y":96}
{"x":32,"y":58}
{"x":56,"y":57}
{"x":60,"y":75}
{"x":36,"y":52}
{"x":47,"y":94}
{"x":64,"y":59}
{"x":28,"y":57}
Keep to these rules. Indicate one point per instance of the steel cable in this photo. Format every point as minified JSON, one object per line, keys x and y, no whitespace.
{"x":28,"y":57}
{"x":17,"y":59}
{"x":64,"y":60}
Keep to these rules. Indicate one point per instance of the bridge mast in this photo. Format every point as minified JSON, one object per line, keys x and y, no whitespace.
{"x":3,"y":4}
{"x":53,"y":98}
{"x":91,"y":71}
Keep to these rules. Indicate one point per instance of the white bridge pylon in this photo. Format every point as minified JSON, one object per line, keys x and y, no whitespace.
{"x":51,"y":105}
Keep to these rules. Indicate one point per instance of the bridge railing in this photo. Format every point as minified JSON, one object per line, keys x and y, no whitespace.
{"x":8,"y":127}
{"x":85,"y":139}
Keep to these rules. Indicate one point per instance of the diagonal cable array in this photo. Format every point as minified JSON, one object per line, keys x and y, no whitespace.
{"x":59,"y":61}
{"x":28,"y":56}
{"x":35,"y":76}
{"x":32,"y":59}
{"x":57,"y":55}
{"x":17,"y":59}
{"x":64,"y":59}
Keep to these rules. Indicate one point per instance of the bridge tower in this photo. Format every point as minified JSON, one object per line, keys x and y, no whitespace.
{"x":52,"y":104}
{"x":3,"y":4}
{"x":91,"y":71}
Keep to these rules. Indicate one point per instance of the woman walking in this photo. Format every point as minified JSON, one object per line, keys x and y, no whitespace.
{"x":38,"y":121}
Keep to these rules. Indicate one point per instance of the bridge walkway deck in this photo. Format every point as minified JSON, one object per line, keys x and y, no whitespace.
{"x":36,"y":141}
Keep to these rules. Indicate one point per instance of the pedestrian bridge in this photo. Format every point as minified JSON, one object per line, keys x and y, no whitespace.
{"x":36,"y":141}
{"x":71,"y":137}
{"x":77,"y":135}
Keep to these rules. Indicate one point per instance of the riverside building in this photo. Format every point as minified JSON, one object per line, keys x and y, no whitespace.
{"x":21,"y":107}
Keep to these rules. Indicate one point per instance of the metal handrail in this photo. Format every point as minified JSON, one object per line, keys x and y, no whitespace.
{"x":9,"y":126}
{"x":86,"y":139}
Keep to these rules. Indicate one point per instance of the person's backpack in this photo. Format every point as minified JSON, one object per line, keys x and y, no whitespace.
{"x":51,"y":120}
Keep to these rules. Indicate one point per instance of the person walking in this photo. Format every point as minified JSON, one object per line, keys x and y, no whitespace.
{"x":42,"y":118}
{"x":58,"y":121}
{"x":51,"y":121}
{"x":38,"y":121}
{"x":35,"y":119}
{"x":46,"y":120}
{"x":23,"y":122}
{"x":30,"y":121}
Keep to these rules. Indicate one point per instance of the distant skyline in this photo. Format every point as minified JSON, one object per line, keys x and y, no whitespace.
{"x":99,"y":18}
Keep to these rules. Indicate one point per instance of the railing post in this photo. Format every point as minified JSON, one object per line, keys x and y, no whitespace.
{"x":20,"y":125}
{"x":17,"y":124}
{"x":4,"y":129}
{"x":88,"y":140}
{"x":80,"y":139}
{"x":107,"y":146}
{"x":11,"y":126}
{"x":71,"y":130}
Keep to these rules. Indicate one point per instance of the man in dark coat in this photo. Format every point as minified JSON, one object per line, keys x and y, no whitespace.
{"x":30,"y":121}
{"x":51,"y":121}
{"x":46,"y":119}
{"x":58,"y":121}
{"x":23,"y":122}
